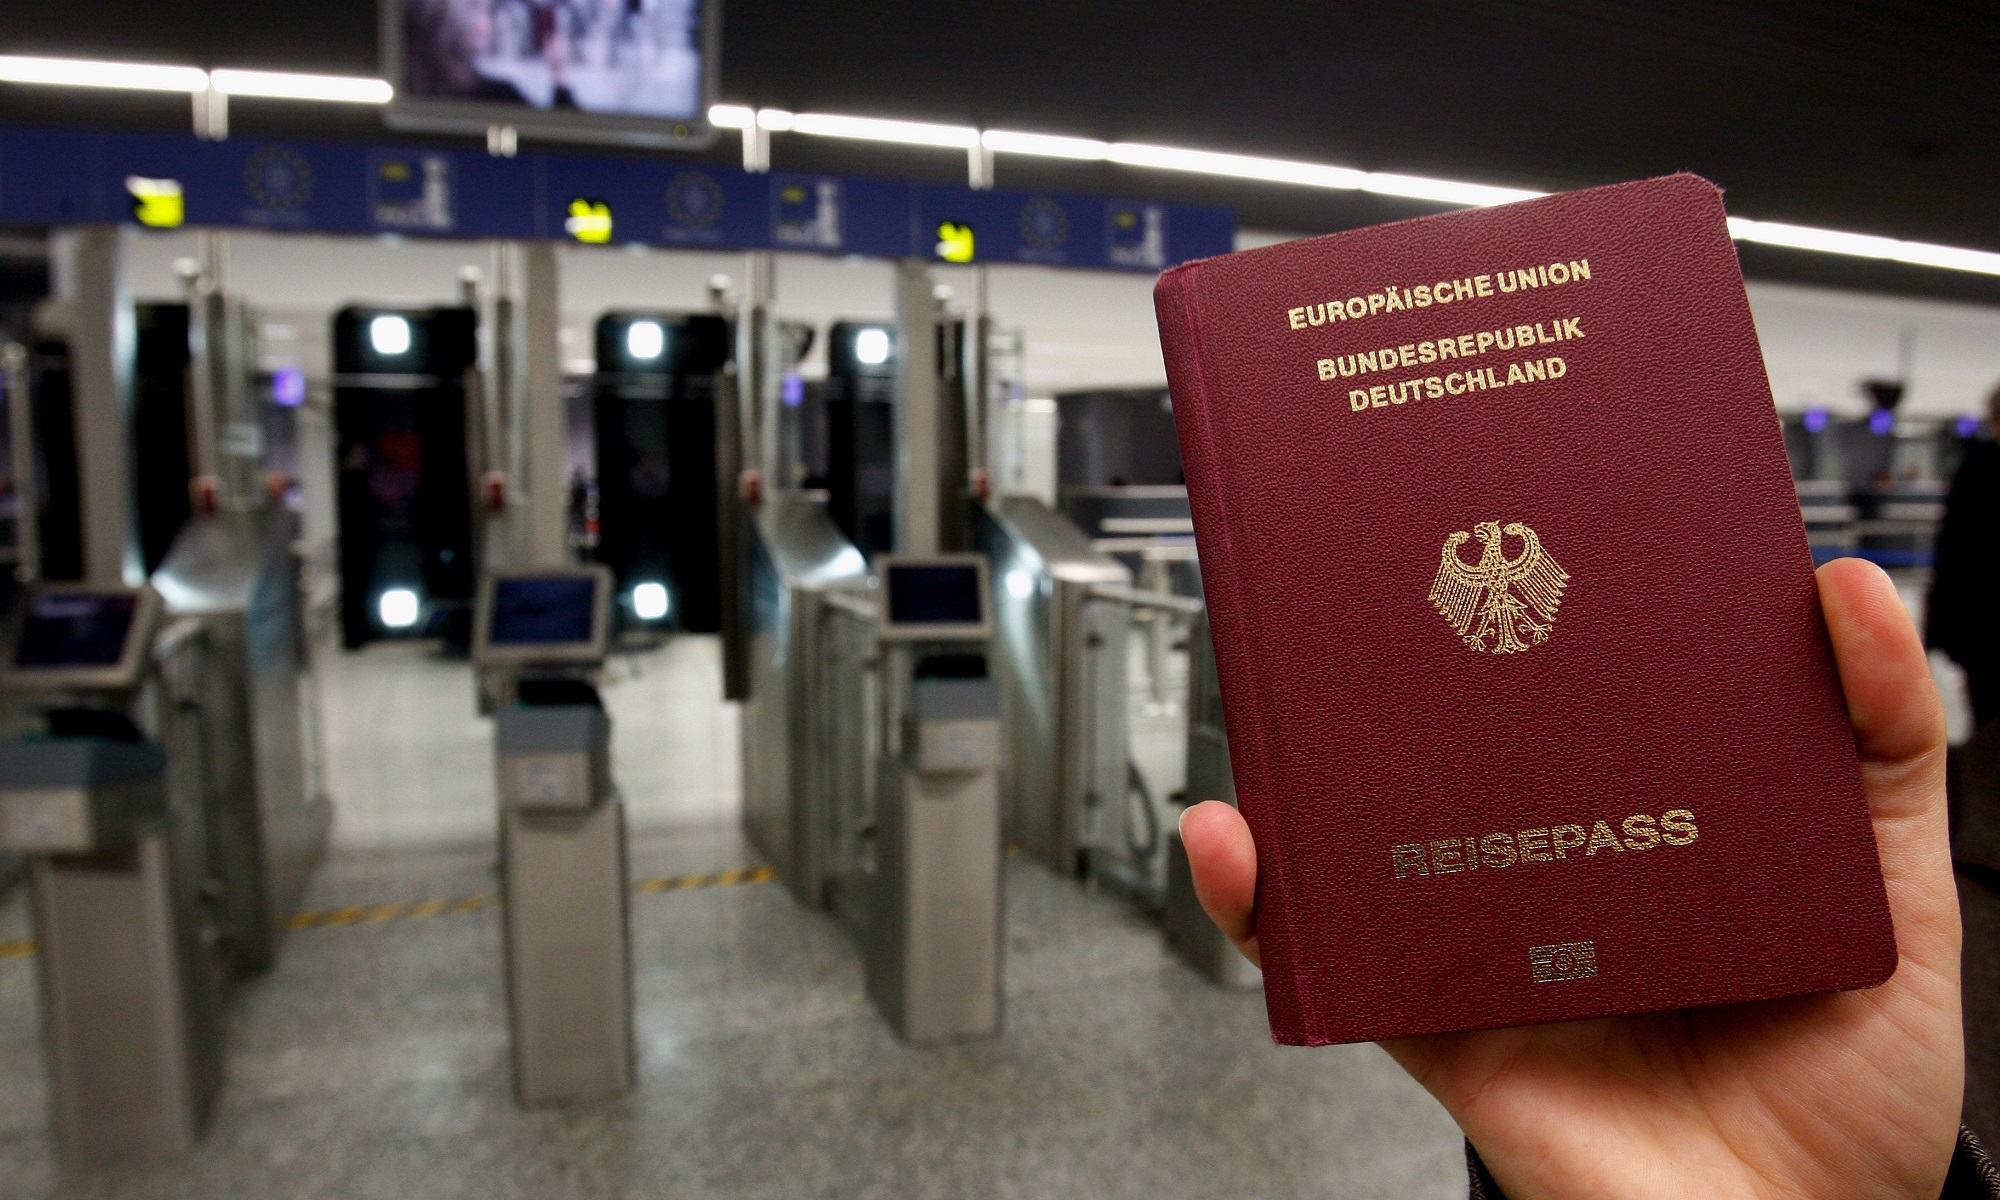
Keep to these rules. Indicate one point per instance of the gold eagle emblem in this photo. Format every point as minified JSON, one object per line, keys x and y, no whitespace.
{"x":1499,"y":605}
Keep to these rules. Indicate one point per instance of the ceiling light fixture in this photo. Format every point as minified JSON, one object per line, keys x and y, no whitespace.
{"x":1862,"y":245}
{"x":290,"y":85}
{"x":83,"y":72}
{"x":872,"y":129}
{"x":1279,"y":170}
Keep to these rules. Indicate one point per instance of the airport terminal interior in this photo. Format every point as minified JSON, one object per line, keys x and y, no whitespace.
{"x":603,"y":600}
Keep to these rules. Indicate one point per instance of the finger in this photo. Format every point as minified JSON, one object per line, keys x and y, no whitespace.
{"x":1890,"y":696}
{"x":1222,"y":857}
{"x":1899,"y":730}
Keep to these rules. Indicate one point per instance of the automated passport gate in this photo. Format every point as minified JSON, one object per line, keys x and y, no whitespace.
{"x":130,"y":1006}
{"x":568,"y":933}
{"x":932,"y":935}
{"x":1061,"y":651}
{"x":239,"y":721}
{"x":809,"y":724}
{"x":1189,"y":931}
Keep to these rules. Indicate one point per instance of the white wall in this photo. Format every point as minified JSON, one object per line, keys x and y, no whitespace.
{"x":1080,"y":329}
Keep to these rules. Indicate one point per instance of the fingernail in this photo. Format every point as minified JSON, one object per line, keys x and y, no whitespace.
{"x":1180,"y":826}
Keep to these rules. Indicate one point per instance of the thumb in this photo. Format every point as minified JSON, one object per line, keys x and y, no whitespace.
{"x":1899,"y":731}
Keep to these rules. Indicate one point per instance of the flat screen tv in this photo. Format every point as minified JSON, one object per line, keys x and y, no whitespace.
{"x":640,"y":72}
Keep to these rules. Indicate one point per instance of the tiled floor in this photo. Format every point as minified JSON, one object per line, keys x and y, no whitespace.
{"x":372,"y":1061}
{"x":409,"y":761}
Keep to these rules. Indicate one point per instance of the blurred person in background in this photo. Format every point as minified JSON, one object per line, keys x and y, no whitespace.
{"x":1964,"y":617}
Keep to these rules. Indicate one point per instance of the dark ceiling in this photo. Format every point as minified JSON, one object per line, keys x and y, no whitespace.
{"x":1873,"y":117}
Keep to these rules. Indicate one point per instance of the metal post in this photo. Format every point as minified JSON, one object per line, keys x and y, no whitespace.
{"x":919,"y":489}
{"x":225,"y":435}
{"x":505,"y":453}
{"x":211,"y":114}
{"x":979,"y":165}
{"x":21,"y":445}
{"x":542,"y":540}
{"x":756,"y":147}
{"x":979,"y":387}
{"x":754,"y":355}
{"x":102,"y":336}
{"x":198,"y":283}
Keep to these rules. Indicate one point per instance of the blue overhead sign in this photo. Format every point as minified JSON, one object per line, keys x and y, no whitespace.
{"x":56,"y":177}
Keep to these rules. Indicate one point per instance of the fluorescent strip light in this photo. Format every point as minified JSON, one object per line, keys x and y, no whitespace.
{"x":1047,"y":145}
{"x":1417,"y":187}
{"x":731,"y":116}
{"x":287,"y":85}
{"x":1236,"y":166}
{"x":1862,"y":245}
{"x":874,"y":129}
{"x":80,"y":72}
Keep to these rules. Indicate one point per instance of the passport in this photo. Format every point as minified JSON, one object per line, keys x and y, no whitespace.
{"x":1530,"y":701}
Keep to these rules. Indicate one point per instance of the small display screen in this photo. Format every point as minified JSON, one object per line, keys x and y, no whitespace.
{"x":639,"y":58}
{"x":547,"y":611}
{"x":76,"y":629}
{"x":935,"y":595}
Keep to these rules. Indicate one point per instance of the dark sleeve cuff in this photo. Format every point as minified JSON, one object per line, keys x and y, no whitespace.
{"x":1973,"y":1175}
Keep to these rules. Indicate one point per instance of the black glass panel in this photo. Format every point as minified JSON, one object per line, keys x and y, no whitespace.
{"x":75,"y":630}
{"x":542,"y":612}
{"x":934,"y":595}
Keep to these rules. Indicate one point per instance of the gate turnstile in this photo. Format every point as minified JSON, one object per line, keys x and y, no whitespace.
{"x":568,"y":939}
{"x":1062,"y":655}
{"x":265,"y":830}
{"x":932,"y":937}
{"x":809,"y":722}
{"x":130,"y":999}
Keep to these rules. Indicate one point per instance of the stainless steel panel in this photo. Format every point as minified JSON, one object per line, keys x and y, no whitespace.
{"x":1060,"y":655}
{"x":933,"y":936}
{"x":798,"y":556}
{"x":236,"y":574}
{"x":569,"y":956}
{"x":130,"y":1011}
{"x":843,"y":718}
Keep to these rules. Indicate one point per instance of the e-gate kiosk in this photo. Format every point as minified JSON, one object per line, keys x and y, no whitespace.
{"x":932,"y":934}
{"x":130,"y":999}
{"x":543,"y":632}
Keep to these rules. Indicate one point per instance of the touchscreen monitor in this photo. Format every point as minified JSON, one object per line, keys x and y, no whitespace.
{"x":75,"y":629}
{"x":929,"y":595}
{"x":530,"y":611}
{"x":942,"y":597}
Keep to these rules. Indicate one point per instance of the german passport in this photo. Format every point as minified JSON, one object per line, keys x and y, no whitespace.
{"x":1530,"y":700}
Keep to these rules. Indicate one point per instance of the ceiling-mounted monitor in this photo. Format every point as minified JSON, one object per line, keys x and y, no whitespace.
{"x":638,"y":72}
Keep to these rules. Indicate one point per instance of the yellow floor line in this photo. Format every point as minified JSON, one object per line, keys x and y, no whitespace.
{"x":445,"y":906}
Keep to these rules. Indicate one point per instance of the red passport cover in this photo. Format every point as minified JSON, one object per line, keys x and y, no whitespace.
{"x":1530,"y":700}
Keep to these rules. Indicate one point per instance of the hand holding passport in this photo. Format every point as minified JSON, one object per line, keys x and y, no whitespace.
{"x":1559,"y":772}
{"x":1843,"y":1093}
